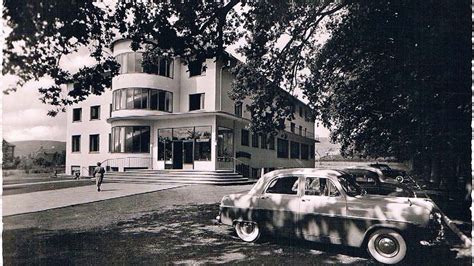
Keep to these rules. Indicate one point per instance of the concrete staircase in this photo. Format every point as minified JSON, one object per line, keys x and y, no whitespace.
{"x":220,"y":177}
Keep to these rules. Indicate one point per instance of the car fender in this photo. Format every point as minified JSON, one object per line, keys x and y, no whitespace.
{"x":375,"y":227}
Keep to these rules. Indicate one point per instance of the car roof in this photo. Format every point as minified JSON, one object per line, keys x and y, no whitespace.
{"x":363,"y":167}
{"x":331,"y":174}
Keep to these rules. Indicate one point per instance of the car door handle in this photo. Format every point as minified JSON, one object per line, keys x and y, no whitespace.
{"x":305,"y":200}
{"x":264,"y":197}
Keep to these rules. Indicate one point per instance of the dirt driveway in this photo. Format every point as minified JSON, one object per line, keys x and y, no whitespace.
{"x":172,"y":226}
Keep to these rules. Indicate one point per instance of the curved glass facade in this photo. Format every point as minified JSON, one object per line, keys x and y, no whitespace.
{"x":132,"y":63}
{"x":131,"y":139}
{"x":142,"y":98}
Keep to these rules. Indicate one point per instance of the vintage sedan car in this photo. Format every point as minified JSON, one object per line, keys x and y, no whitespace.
{"x":327,"y":206}
{"x":370,"y":180}
{"x":392,"y":178}
{"x":390,"y":172}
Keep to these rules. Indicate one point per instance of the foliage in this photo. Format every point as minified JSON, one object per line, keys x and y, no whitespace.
{"x":394,"y":80}
{"x":43,"y":32}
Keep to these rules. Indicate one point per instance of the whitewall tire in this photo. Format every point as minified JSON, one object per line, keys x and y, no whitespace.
{"x":387,"y":246}
{"x":247,"y":231}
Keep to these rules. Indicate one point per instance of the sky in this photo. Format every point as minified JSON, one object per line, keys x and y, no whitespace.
{"x":24,"y":116}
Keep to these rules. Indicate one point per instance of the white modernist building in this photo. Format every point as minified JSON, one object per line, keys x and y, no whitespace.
{"x":177,"y":116}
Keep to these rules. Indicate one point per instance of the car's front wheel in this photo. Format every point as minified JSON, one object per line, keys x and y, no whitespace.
{"x":387,"y":246}
{"x":247,"y":231}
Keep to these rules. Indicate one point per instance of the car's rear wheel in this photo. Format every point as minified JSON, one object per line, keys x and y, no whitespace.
{"x":387,"y":246}
{"x":247,"y":231}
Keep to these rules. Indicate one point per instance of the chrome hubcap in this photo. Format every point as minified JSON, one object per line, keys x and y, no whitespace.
{"x":387,"y":246}
{"x":247,"y":228}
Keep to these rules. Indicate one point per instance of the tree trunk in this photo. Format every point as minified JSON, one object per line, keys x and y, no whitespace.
{"x":435,"y":170}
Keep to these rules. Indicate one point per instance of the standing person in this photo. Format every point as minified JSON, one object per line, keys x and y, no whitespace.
{"x":99,"y":175}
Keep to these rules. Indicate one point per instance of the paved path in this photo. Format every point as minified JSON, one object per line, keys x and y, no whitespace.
{"x":51,"y":199}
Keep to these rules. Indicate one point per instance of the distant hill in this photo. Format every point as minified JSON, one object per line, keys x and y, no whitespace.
{"x":325,"y":147}
{"x":24,"y":148}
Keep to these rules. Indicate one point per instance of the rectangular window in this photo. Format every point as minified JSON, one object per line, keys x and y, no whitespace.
{"x":76,"y":169}
{"x":154,"y":99}
{"x":255,"y":140}
{"x":131,"y":139}
{"x":300,"y":131}
{"x":145,"y":98}
{"x":76,"y":114}
{"x":95,"y":112}
{"x":282,"y":148}
{"x":76,"y":143}
{"x":129,"y":100}
{"x":295,"y":150}
{"x":202,"y":145}
{"x":238,"y":109}
{"x":305,"y":132}
{"x":244,"y":141}
{"x":110,"y":110}
{"x":196,"y":68}
{"x":110,"y":142}
{"x":196,"y":101}
{"x":301,"y":111}
{"x":271,"y":142}
{"x":165,"y":141}
{"x":292,"y":127}
{"x":137,"y":98}
{"x":311,"y":151}
{"x":94,"y":143}
{"x":304,"y":151}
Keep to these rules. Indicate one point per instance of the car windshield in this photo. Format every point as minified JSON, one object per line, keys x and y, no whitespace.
{"x":350,"y":186}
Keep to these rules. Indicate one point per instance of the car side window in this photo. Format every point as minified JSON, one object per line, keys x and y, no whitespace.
{"x":364,"y":177}
{"x":330,"y":190}
{"x":313,"y":187}
{"x":284,"y":185}
{"x":316,"y":186}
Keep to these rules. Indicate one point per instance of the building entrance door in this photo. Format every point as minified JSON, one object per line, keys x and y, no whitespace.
{"x":188,"y":152}
{"x":177,"y":154}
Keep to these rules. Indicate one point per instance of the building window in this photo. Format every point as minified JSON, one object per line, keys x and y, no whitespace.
{"x":304,"y":151}
{"x":282,"y":148}
{"x":76,"y":143}
{"x":202,"y":143}
{"x":292,"y":127}
{"x":196,"y":101}
{"x":244,"y":141}
{"x":295,"y":150}
{"x":142,"y":98}
{"x":300,"y":130}
{"x":255,"y":140}
{"x":263,"y":143}
{"x":110,"y":142}
{"x":110,"y":110}
{"x":301,"y":111}
{"x":95,"y":112}
{"x":76,"y":114}
{"x":311,"y":151}
{"x":165,"y":145}
{"x":75,"y":169}
{"x":271,"y":142}
{"x":305,"y":132}
{"x":94,"y":143}
{"x":225,"y":144}
{"x":132,"y":62}
{"x":238,"y":109}
{"x":196,"y":68}
{"x":131,"y":139}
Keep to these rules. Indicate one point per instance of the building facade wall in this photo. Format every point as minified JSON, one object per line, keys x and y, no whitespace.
{"x":217,"y":113}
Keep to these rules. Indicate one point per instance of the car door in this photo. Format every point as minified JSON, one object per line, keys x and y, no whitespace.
{"x":323,"y":210}
{"x":278,"y":205}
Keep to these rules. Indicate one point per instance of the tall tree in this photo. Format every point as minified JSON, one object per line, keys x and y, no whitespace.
{"x":394,"y":80}
{"x":44,"y":31}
